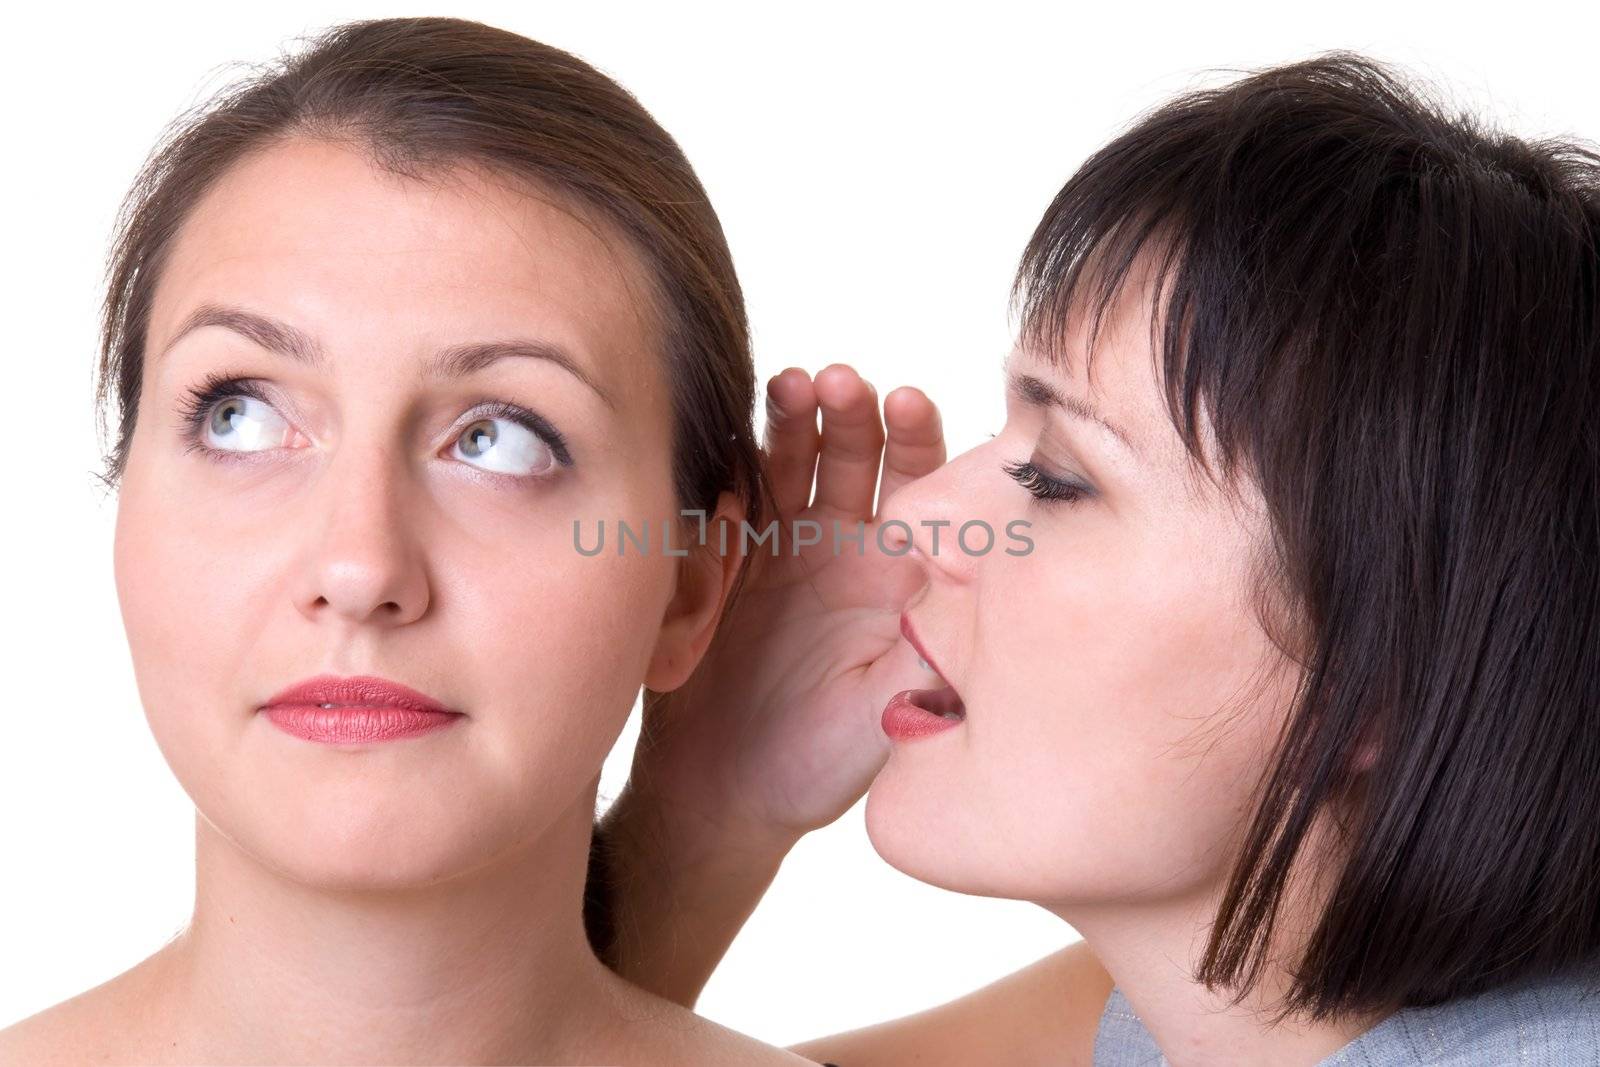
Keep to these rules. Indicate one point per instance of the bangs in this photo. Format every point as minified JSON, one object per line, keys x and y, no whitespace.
{"x":1387,"y":315}
{"x":1109,"y":263}
{"x":1285,"y":219}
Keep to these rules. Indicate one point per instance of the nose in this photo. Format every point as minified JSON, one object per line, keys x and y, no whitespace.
{"x":360,"y":561}
{"x":937,"y":521}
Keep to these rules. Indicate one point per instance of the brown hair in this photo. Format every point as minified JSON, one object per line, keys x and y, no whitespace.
{"x":1390,"y":314}
{"x":423,"y":95}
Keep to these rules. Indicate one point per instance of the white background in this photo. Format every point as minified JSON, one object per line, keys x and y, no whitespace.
{"x":877,"y":171}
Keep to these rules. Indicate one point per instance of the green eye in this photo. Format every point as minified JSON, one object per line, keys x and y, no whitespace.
{"x":506,"y":447}
{"x":227,"y":414}
{"x":245,"y":424}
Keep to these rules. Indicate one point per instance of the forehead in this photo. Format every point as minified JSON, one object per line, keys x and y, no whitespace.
{"x":315,"y":233}
{"x":1122,"y":335}
{"x":1119,"y":368}
{"x":1116,"y":368}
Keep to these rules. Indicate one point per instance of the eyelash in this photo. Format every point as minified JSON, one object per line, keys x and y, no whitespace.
{"x":196,"y":407}
{"x":533,"y":422}
{"x":1044,"y":486}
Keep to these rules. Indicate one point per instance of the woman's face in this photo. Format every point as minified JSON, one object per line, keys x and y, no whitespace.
{"x":1120,"y":697}
{"x":363,"y":508}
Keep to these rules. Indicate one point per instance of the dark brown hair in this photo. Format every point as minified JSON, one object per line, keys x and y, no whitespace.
{"x":424,"y":95}
{"x":1390,"y":315}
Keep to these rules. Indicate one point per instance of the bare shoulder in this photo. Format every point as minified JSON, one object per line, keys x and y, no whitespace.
{"x":722,"y":1047}
{"x":659,"y":1031}
{"x":36,"y":1039}
{"x":1046,"y":1013}
{"x":111,"y":1022}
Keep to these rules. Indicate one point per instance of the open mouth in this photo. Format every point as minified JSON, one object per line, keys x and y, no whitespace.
{"x":942,"y":699}
{"x":944,"y":702}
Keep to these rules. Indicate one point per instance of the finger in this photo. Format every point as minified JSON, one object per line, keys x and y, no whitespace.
{"x":916,"y":439}
{"x":852,"y":442}
{"x":791,"y":438}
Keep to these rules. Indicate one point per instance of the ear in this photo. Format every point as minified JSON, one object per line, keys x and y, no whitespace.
{"x":705,"y":576}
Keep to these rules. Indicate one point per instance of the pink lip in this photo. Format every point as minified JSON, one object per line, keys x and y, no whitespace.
{"x":368,"y":709}
{"x":903,"y":720}
{"x":914,"y":713}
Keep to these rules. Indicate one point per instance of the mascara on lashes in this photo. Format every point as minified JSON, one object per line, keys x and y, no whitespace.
{"x":196,"y":408}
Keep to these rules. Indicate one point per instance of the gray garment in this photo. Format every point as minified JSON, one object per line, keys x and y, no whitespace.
{"x":1548,"y":1022}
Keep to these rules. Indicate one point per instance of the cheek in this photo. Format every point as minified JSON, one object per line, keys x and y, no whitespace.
{"x":564,"y":640}
{"x":1128,"y":648}
{"x":555,"y":641}
{"x":1120,"y":706}
{"x":195,"y":610}
{"x":185,"y":588}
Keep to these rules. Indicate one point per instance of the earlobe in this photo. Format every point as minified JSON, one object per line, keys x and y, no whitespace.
{"x":705,"y":577}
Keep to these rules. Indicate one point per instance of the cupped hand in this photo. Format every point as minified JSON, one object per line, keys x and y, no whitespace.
{"x":777,"y":731}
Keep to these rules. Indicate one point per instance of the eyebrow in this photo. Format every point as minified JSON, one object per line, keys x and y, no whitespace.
{"x":1040,"y":393}
{"x":454,"y":361}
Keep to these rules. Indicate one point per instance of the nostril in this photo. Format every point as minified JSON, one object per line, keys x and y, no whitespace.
{"x":894,"y":535}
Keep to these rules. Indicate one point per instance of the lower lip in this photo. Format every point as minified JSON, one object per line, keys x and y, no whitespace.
{"x":904,"y":721}
{"x":356,"y":724}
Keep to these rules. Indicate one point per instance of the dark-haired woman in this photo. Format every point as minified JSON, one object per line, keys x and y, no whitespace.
{"x":1290,"y":706}
{"x":385,"y":321}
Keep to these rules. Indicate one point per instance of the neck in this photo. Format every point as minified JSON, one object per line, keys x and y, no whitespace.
{"x":489,"y":966}
{"x":1150,"y":950}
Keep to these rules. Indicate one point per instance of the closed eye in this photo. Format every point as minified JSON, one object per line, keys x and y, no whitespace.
{"x":1044,"y":486}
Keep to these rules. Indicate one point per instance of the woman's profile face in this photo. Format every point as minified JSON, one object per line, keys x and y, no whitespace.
{"x":368,"y":505}
{"x":1120,"y":696}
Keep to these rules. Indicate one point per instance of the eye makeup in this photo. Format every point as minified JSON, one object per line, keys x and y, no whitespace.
{"x":531,"y":421}
{"x":198,"y":403}
{"x":1043,"y":485}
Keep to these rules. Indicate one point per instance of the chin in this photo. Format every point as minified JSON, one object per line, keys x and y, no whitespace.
{"x":927,"y":833}
{"x":328,"y":867}
{"x":337,"y":844}
{"x":925,"y":826}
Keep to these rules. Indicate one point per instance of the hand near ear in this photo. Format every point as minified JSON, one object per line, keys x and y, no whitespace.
{"x":776,"y":732}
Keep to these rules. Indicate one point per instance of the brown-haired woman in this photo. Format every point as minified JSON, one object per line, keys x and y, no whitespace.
{"x":1291,"y":704}
{"x":383,"y":324}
